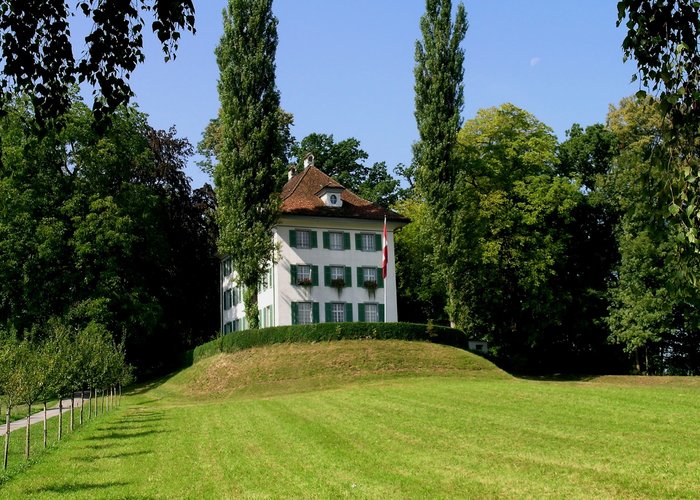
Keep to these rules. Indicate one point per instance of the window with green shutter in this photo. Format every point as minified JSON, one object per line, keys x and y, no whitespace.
{"x":380,"y":278}
{"x":314,"y":239}
{"x":346,"y":241}
{"x":358,"y":241}
{"x":314,"y":275}
{"x":348,"y":313}
{"x":293,"y":274}
{"x":227,"y":299}
{"x":292,"y":238}
{"x":329,"y":312}
{"x":377,"y":242}
{"x":381,"y":313}
{"x":326,"y":240}
{"x":295,"y":313}
{"x":360,"y":312}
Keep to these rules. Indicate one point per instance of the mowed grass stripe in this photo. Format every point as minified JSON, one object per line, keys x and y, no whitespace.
{"x":383,"y":436}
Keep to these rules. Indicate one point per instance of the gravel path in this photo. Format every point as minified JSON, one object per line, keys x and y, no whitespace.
{"x":39,"y":416}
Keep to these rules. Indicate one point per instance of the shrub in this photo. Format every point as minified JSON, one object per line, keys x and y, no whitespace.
{"x":319,"y":332}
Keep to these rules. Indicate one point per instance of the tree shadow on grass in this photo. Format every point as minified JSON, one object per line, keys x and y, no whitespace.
{"x":558,"y":377}
{"x":67,"y":488}
{"x":126,"y":454}
{"x":127,"y":435}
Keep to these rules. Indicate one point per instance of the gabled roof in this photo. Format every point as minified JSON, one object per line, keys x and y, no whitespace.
{"x":300,"y":197}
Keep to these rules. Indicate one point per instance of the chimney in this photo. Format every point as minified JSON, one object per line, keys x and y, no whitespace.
{"x":292,"y":171}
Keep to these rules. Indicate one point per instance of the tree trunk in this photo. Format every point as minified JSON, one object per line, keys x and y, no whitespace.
{"x":60,"y":418}
{"x":28,"y":432}
{"x":7,"y":436}
{"x":46,"y":426}
{"x":72,"y":405}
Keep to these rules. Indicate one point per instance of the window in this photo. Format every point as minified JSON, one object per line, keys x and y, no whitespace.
{"x":304,"y":275}
{"x":228,"y":327}
{"x":338,"y":312}
{"x":227,"y":299}
{"x":227,"y":265}
{"x":369,"y":274}
{"x":304,"y":313}
{"x":371,"y":313}
{"x":368,"y":243}
{"x":303,"y":239}
{"x":337,"y":273}
{"x":336,"y":241}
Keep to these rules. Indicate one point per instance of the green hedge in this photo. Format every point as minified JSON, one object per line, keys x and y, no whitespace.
{"x":236,"y":341}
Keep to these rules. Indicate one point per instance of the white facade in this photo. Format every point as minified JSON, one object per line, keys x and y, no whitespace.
{"x":284,"y":301}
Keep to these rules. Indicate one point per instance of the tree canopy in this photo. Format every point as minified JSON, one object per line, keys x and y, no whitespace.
{"x":37,"y":56}
{"x":251,"y":167}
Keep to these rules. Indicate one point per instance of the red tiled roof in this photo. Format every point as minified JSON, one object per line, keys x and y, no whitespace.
{"x":300,"y":197}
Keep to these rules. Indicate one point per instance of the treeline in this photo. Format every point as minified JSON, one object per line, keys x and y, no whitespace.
{"x":99,"y":228}
{"x":562,"y":255}
{"x":58,"y":364}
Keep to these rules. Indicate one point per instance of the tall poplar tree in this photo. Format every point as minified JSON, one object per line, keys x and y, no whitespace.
{"x":250,"y":172}
{"x":439,"y":99}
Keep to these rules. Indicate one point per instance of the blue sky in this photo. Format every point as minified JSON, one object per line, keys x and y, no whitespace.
{"x":346,"y":68}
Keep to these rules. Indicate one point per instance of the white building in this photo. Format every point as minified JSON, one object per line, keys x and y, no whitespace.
{"x":329,"y":266}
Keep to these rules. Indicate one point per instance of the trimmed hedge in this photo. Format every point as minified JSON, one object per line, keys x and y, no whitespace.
{"x":319,"y":332}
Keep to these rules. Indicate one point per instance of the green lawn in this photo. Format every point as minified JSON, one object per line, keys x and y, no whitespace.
{"x":470,"y":431}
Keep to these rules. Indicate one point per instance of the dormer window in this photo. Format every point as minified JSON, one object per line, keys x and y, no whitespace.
{"x":331,"y":196}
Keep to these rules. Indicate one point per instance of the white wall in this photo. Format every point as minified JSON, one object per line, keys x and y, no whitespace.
{"x":282,"y":292}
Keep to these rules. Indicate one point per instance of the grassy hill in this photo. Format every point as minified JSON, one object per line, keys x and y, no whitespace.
{"x":379,"y":419}
{"x":300,"y":367}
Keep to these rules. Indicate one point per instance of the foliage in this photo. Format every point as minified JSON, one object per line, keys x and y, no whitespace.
{"x":319,"y":332}
{"x":663,"y":36}
{"x":513,"y":216}
{"x":38,"y":58}
{"x":654,"y":307}
{"x":104,"y":227}
{"x":250,"y":173}
{"x":344,"y":161}
{"x":421,"y":293}
{"x":439,"y":99}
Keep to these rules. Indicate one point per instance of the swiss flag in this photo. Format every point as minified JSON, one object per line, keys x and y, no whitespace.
{"x":385,"y":252}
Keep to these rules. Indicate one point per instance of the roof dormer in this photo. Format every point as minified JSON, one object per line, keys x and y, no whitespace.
{"x":331,"y":196}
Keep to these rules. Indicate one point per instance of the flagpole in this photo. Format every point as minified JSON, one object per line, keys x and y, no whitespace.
{"x":385,"y":268}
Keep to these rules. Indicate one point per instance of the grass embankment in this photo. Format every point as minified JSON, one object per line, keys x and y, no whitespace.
{"x":365,"y":421}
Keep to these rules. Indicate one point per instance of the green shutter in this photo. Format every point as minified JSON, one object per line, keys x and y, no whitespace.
{"x":358,"y":241}
{"x":327,"y":275}
{"x":378,"y":242}
{"x":293,"y":274}
{"x":348,"y":276}
{"x":381,"y":313}
{"x":348,"y":312}
{"x":314,"y":275}
{"x":329,"y":312}
{"x":360,"y":312}
{"x":360,"y":280}
{"x":346,"y":241}
{"x":315,"y":313}
{"x":292,"y":238}
{"x":380,"y":279}
{"x":326,"y":240}
{"x":314,"y":239}
{"x":295,"y":314}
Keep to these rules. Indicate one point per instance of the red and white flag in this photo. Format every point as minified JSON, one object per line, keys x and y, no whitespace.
{"x":385,"y":252}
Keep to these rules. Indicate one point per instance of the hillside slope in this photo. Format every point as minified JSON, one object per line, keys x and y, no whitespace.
{"x":299,"y":367}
